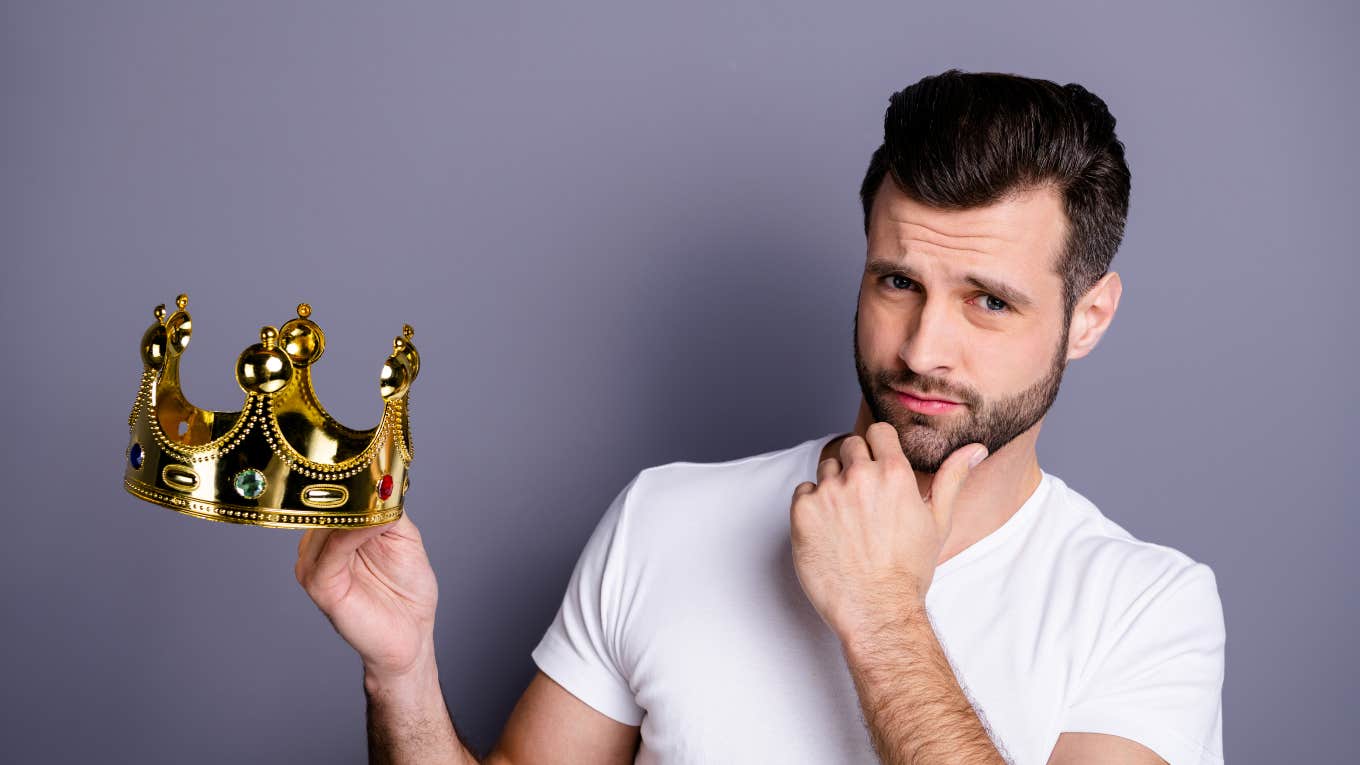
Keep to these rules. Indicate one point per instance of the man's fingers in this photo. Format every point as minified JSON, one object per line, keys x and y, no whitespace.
{"x":828,"y":468}
{"x":338,"y":550}
{"x":404,"y":526}
{"x":322,"y":552}
{"x":309,"y":547}
{"x":854,"y":449}
{"x":884,"y":442}
{"x":948,"y":480}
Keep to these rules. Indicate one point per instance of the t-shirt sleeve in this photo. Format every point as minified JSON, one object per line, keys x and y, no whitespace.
{"x":581,"y":649}
{"x":1160,"y":680}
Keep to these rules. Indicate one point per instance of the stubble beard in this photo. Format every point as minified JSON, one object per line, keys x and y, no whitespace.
{"x":927,"y":440}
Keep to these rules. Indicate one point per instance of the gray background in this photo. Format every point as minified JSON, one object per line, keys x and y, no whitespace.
{"x":625,"y":234}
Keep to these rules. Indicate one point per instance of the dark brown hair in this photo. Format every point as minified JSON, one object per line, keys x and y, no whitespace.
{"x":966,"y":139}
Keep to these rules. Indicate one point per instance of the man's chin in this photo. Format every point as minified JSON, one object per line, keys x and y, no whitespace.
{"x":934,"y":425}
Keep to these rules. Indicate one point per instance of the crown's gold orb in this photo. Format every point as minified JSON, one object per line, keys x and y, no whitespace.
{"x":302,"y":340}
{"x":402,"y":348}
{"x":154,"y":342}
{"x":263,"y":368}
{"x":395,"y":378}
{"x":179,"y":328}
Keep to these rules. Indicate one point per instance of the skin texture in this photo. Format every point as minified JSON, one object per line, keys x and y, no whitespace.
{"x":866,"y":536}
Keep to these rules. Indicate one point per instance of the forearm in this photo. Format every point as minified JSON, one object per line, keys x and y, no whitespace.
{"x":916,"y":712}
{"x":408,"y":721}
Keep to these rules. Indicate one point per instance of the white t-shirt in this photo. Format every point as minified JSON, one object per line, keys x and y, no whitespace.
{"x":684,"y":615}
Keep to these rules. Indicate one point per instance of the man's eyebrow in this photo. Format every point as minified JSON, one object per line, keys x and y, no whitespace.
{"x":1006,"y":292}
{"x":1016,"y":298}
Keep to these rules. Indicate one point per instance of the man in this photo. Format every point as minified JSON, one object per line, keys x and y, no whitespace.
{"x":917,"y":591}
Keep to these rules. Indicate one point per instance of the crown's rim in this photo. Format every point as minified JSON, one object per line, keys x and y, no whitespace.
{"x":259,"y":516}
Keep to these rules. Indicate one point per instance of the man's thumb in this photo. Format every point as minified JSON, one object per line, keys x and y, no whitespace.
{"x":949,"y":479}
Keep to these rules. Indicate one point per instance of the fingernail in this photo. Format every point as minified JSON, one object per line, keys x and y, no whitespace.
{"x":979,"y":455}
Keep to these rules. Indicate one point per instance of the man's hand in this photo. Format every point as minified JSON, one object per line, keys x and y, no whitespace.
{"x":378,"y":590}
{"x":865,"y":542}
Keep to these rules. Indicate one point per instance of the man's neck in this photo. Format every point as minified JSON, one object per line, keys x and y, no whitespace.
{"x":991,"y":494}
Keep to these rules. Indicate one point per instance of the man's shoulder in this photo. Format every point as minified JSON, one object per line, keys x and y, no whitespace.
{"x":684,"y":501}
{"x":686,"y":481}
{"x":1112,"y":563}
{"x":1144,"y":636}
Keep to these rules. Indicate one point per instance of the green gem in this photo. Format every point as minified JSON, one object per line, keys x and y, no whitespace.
{"x":250,"y":483}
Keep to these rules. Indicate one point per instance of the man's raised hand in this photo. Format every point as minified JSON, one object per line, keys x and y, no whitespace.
{"x":864,"y":539}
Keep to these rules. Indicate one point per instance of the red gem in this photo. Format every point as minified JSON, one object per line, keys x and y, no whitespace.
{"x":385,"y":487}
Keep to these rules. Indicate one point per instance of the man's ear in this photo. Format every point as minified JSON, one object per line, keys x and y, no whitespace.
{"x":1092,"y":315}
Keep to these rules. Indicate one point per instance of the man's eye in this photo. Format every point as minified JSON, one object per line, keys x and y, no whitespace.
{"x":991,"y":303}
{"x":995,"y":304}
{"x":899,"y":281}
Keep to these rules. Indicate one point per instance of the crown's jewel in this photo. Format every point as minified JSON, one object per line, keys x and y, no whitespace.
{"x":280,"y":461}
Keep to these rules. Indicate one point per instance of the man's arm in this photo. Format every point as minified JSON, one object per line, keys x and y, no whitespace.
{"x":549,"y":725}
{"x":1082,"y":748}
{"x":917,"y":712}
{"x":408,"y":722}
{"x":912,"y":703}
{"x":378,"y":590}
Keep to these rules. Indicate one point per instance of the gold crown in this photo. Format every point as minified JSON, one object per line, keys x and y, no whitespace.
{"x":281,"y":461}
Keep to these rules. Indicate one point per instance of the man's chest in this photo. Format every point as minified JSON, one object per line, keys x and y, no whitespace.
{"x":741,"y":668}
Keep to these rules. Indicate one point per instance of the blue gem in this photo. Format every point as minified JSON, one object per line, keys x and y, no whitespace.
{"x":136,"y":455}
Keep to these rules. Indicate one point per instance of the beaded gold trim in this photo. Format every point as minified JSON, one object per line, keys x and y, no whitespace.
{"x":323,"y":470}
{"x":395,"y":418}
{"x":213,"y":450}
{"x":403,"y":439}
{"x":138,"y":402}
{"x":307,"y":392}
{"x":255,"y":516}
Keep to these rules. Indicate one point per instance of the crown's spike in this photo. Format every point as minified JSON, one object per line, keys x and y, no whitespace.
{"x":154,"y":342}
{"x":179,"y":326}
{"x":304,"y":310}
{"x":403,"y":348}
{"x":401,"y":367}
{"x":159,"y":312}
{"x":395,"y":377}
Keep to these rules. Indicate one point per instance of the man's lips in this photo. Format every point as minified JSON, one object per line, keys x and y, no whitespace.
{"x":920,"y":397}
{"x":923,"y":405}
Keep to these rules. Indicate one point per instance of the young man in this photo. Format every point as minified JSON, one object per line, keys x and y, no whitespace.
{"x":917,"y":591}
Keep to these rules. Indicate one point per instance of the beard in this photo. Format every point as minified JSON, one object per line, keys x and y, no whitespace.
{"x":927,"y":440}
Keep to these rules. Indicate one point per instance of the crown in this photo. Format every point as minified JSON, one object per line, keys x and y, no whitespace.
{"x":282,"y":460}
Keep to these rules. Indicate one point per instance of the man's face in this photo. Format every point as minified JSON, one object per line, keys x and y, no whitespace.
{"x":964,"y":306}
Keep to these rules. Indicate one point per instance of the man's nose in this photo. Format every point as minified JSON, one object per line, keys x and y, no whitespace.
{"x":933,"y":343}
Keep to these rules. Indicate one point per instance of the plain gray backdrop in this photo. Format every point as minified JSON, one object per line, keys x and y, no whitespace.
{"x":625,"y":233}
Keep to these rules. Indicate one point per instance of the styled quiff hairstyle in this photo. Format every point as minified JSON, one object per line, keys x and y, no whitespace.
{"x":967,"y":139}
